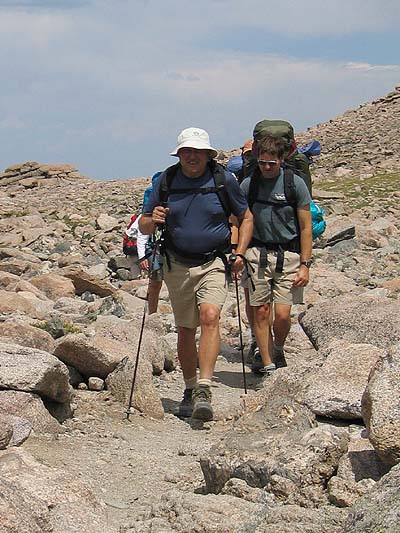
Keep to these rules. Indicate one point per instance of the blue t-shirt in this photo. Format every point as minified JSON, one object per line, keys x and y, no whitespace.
{"x":196,"y":222}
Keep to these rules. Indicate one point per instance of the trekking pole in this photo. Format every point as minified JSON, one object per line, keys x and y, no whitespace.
{"x":153,"y":256}
{"x":232,"y":259}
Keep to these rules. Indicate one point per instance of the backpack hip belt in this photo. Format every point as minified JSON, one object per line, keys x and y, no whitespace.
{"x":290,"y":246}
{"x":198,"y":259}
{"x":193,"y":258}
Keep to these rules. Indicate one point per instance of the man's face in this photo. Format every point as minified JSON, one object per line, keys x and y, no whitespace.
{"x":269,"y":165}
{"x":193,"y":161}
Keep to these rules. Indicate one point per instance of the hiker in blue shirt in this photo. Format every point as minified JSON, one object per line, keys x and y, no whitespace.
{"x":197,"y":244}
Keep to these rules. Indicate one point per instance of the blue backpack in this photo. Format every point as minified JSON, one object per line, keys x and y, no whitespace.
{"x":317,"y":219}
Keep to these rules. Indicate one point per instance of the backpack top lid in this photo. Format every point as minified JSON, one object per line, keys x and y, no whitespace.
{"x":275,"y":128}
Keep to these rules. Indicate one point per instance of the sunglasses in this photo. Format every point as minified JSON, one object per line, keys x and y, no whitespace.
{"x":270,"y":163}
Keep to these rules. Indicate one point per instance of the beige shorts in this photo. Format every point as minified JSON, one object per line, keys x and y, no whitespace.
{"x":189,"y":287}
{"x":271,"y":286}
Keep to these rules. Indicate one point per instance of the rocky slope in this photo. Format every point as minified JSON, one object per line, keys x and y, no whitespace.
{"x":317,"y":450}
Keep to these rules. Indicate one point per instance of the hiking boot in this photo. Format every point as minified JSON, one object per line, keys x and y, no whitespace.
{"x":202,"y":409}
{"x":278,"y":357}
{"x":257,"y":365}
{"x":185,"y":408}
{"x":267,"y":371}
{"x":250,"y":353}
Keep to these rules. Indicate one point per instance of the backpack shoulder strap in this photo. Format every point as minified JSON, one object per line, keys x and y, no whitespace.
{"x":289,"y":188}
{"x":166,"y":182}
{"x":218,"y":173}
{"x":253,"y":188}
{"x":219,"y":177}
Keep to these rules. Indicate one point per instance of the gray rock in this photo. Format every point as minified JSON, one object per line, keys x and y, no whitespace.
{"x":30,"y":407}
{"x":257,"y":449}
{"x":381,"y":407}
{"x":339,"y":384}
{"x":379,"y":510}
{"x":13,"y":303}
{"x":358,"y":471}
{"x":96,"y":356}
{"x":6,"y":431}
{"x":96,"y":384}
{"x":31,"y":370}
{"x":54,"y":286}
{"x":16,"y":331}
{"x":154,"y":347}
{"x":83,"y":281}
{"x":35,"y":498}
{"x":21,"y":429}
{"x":361,"y":319}
{"x":145,"y":398}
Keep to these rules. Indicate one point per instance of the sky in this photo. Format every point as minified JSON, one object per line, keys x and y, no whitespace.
{"x":107,"y":85}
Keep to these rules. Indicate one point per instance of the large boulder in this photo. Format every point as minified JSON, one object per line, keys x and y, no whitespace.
{"x":83,"y":281}
{"x":339,"y":384}
{"x":17,"y":331}
{"x":379,"y":510}
{"x":184,"y":512}
{"x":154,"y":346}
{"x":21,"y":428}
{"x":145,"y":397}
{"x":35,"y":498}
{"x":278,"y":445}
{"x":381,"y":407}
{"x":362,"y":319}
{"x":91,"y":356}
{"x":31,"y":370}
{"x":358,"y":471}
{"x":30,"y":407}
{"x":53,"y":285}
{"x":12,"y":303}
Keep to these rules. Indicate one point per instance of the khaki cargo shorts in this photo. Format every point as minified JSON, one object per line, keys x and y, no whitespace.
{"x":189,"y":287}
{"x":271,"y":286}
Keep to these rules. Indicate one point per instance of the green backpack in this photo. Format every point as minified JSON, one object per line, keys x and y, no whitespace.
{"x":297,"y":162}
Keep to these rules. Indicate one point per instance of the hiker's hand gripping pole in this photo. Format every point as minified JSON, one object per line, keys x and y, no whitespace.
{"x":157,"y":242}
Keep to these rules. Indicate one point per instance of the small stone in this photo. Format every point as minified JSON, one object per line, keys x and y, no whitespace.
{"x":82,"y":386}
{"x":96,"y":384}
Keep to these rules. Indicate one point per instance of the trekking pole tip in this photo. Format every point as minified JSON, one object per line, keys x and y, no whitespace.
{"x":129,"y":411}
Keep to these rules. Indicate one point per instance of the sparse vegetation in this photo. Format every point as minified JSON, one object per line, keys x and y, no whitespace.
{"x":362,"y":192}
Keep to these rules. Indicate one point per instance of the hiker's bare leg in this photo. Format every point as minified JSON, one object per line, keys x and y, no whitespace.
{"x":154,"y":293}
{"x":282,"y":322}
{"x":187,"y":352}
{"x":262,"y":331}
{"x":210,"y":341}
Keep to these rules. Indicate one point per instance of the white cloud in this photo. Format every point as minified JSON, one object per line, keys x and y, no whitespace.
{"x":98,"y":86}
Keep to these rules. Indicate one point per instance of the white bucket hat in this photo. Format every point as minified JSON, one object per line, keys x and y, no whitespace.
{"x":194,"y":138}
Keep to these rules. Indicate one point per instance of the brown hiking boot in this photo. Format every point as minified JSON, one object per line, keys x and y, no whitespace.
{"x":202,"y":409}
{"x":185,"y":408}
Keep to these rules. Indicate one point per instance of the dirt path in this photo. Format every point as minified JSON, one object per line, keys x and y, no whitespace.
{"x":131,"y":464}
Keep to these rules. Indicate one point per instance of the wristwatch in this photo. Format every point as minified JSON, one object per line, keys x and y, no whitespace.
{"x":306,"y":263}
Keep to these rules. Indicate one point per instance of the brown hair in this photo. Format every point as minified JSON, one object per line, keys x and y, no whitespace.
{"x":271,"y":145}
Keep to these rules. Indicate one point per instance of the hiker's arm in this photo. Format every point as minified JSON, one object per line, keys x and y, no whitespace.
{"x":233,"y":221}
{"x":245,"y":231}
{"x":148,"y":223}
{"x":304,"y":217}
